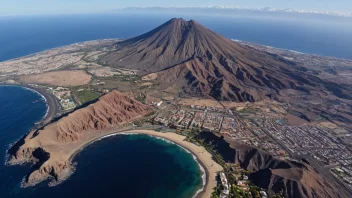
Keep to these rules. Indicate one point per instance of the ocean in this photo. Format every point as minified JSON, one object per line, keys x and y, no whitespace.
{"x":117,"y":166}
{"x":323,"y":35}
{"x":19,"y":109}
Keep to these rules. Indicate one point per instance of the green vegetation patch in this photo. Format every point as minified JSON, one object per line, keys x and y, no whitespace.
{"x":141,"y":98}
{"x":246,"y":110}
{"x":127,"y":78}
{"x":85,"y":96}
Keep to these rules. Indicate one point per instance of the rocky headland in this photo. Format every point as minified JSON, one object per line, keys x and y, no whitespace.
{"x":51,"y":147}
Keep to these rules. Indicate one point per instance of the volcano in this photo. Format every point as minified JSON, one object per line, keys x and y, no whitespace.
{"x":187,"y":54}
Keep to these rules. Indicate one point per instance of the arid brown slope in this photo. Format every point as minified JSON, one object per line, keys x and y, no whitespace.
{"x":293,"y":179}
{"x":112,"y":109}
{"x":50,"y":148}
{"x":195,"y":58}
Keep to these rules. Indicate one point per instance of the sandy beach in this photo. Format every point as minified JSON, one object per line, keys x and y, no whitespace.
{"x":203,"y":156}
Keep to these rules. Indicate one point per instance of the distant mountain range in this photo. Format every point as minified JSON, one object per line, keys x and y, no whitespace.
{"x":237,"y":8}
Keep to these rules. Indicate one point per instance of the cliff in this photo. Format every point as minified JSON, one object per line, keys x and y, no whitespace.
{"x":50,"y":148}
{"x":111,"y":110}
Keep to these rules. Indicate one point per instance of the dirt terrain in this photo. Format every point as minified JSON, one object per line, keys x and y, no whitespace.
{"x":59,"y":78}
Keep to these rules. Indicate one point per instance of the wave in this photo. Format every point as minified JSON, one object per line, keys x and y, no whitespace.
{"x":114,"y":134}
{"x":34,"y":91}
{"x":7,"y":156}
{"x":43,"y":97}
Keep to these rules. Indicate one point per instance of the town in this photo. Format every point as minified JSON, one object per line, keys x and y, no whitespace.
{"x":272,"y":135}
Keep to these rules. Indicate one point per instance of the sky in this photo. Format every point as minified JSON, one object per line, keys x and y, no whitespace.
{"x":19,"y":7}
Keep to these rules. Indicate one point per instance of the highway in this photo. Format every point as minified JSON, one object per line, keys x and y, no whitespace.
{"x":327,"y":174}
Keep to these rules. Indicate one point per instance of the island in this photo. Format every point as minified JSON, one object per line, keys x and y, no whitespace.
{"x":260,"y":120}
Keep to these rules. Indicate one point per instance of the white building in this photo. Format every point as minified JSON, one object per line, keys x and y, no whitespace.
{"x":263,"y":194}
{"x":224,"y":182}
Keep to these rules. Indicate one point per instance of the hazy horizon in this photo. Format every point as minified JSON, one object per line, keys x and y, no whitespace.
{"x":41,"y":7}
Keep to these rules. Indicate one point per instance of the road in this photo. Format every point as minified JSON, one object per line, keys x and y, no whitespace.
{"x":327,"y":174}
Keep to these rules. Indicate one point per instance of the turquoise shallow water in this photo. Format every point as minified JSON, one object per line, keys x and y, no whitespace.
{"x":117,"y":166}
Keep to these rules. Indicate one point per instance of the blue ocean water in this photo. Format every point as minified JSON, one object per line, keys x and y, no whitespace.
{"x":323,"y":35}
{"x":19,"y":109}
{"x":118,"y":166}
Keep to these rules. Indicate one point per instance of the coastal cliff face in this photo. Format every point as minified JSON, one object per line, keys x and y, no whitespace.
{"x":50,"y":148}
{"x":57,"y":171}
{"x":291,"y":178}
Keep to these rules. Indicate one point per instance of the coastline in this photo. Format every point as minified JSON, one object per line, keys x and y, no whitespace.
{"x":55,"y":48}
{"x":53,"y":106}
{"x":200,"y":155}
{"x":46,"y":101}
{"x":242,"y":42}
{"x":120,"y":39}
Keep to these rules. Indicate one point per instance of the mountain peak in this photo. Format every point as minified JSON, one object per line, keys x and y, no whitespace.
{"x":178,"y":23}
{"x":177,"y":20}
{"x":181,"y":20}
{"x":189,"y":55}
